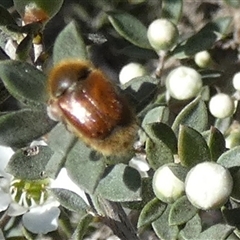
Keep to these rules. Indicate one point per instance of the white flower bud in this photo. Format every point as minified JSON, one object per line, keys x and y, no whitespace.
{"x":221,"y":105}
{"x":236,"y":81}
{"x":183,"y":83}
{"x":208,"y":185}
{"x":131,"y":71}
{"x":162,"y":34}
{"x":166,"y":186}
{"x":203,"y":59}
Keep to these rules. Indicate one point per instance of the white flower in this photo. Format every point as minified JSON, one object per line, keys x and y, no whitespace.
{"x":162,"y":34}
{"x":130,"y":71}
{"x":221,"y":105}
{"x":208,"y":185}
{"x":166,"y":185}
{"x":183,"y":83}
{"x":40,"y":215}
{"x":236,"y":81}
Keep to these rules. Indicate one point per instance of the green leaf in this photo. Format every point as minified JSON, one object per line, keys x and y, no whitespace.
{"x":160,"y":131}
{"x":130,"y":28}
{"x":140,"y":91}
{"x":29,"y":163}
{"x":23,"y":49}
{"x":172,"y":10}
{"x":19,"y":128}
{"x":6,"y":17}
{"x":233,"y":3}
{"x":71,"y":200}
{"x":25,"y":82}
{"x":82,"y":227}
{"x":85,"y":167}
{"x":192,"y":228}
{"x":193,"y":115}
{"x":181,"y":211}
{"x":61,"y":146}
{"x":216,"y":143}
{"x":158,"y":153}
{"x":163,"y":229}
{"x":204,"y":39}
{"x":69,"y":44}
{"x":231,"y":158}
{"x":218,"y":231}
{"x":151,"y":211}
{"x":49,"y":7}
{"x":147,"y":195}
{"x":4,"y":94}
{"x":157,"y":114}
{"x":120,"y":183}
{"x":192,"y":148}
{"x":231,"y":216}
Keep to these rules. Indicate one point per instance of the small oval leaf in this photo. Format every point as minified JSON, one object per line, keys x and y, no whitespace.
{"x":19,"y":128}
{"x":69,"y":44}
{"x":193,"y":115}
{"x":181,"y":211}
{"x":120,"y":183}
{"x":158,"y":153}
{"x":231,"y":158}
{"x":151,"y":211}
{"x":140,"y":91}
{"x":82,"y":227}
{"x":25,"y":82}
{"x":172,"y":10}
{"x":163,"y":229}
{"x":192,"y":148}
{"x":29,"y":163}
{"x":71,"y":200}
{"x":216,"y":143}
{"x":217,"y":231}
{"x":130,"y":28}
{"x":204,"y":39}
{"x":85,"y":167}
{"x":162,"y":132}
{"x":192,"y":228}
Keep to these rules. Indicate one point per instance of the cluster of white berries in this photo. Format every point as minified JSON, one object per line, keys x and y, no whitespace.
{"x":208,"y":185}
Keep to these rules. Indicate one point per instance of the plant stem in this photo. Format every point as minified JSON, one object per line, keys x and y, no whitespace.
{"x":116,"y":218}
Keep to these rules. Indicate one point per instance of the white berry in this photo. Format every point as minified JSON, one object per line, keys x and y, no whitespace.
{"x":162,"y":34}
{"x":208,"y":185}
{"x":183,"y":83}
{"x":203,"y":59}
{"x":166,"y":186}
{"x":130,"y":71}
{"x":221,"y":105}
{"x":236,"y":81}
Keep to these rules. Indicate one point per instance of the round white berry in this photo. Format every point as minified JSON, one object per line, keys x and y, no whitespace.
{"x":130,"y":71}
{"x":221,"y":105}
{"x":203,"y":59}
{"x":236,"y":81}
{"x":162,"y":34}
{"x":167,"y":186}
{"x":183,"y":83}
{"x":208,"y":185}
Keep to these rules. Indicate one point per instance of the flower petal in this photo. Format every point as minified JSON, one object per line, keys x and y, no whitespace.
{"x":15,"y":209}
{"x":5,"y":200}
{"x":41,"y":219}
{"x":5,"y":153}
{"x":65,"y":182}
